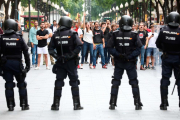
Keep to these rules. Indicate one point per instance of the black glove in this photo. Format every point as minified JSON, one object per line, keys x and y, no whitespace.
{"x":66,"y":57}
{"x":123,"y":57}
{"x":27,"y":68}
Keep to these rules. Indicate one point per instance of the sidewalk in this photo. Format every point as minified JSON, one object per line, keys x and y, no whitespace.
{"x":95,"y":94}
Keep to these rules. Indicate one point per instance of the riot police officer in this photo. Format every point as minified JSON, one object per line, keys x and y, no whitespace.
{"x":169,"y":41}
{"x":68,"y":45}
{"x":125,"y":47}
{"x":11,"y":47}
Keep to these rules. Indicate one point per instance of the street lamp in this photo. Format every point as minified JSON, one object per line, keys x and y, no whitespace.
{"x":53,"y":9}
{"x":44,"y":1}
{"x":38,"y":5}
{"x":49,"y":4}
{"x":121,"y":7}
{"x":117,"y":9}
{"x":29,"y":2}
{"x":140,"y":1}
{"x":132,"y":4}
{"x":126,"y":6}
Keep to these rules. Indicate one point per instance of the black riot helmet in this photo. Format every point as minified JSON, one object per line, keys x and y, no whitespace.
{"x":65,"y":22}
{"x":10,"y":26}
{"x":173,"y":19}
{"x":126,"y":23}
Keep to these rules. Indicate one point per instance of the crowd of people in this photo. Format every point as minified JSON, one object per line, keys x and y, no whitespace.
{"x":95,"y":37}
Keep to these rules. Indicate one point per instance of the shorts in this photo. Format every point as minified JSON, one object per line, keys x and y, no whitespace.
{"x":151,"y":52}
{"x":42,"y":50}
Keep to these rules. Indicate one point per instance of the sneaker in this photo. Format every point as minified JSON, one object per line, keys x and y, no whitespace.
{"x":32,"y":66}
{"x":147,"y":67}
{"x":78,"y":67}
{"x":44,"y":63}
{"x":153,"y":68}
{"x":106,"y":64}
{"x":52,"y":63}
{"x":104,"y":67}
{"x":37,"y":68}
{"x":94,"y":67}
{"x":81,"y":67}
{"x":86,"y":62}
{"x":91,"y":67}
{"x":47,"y":68}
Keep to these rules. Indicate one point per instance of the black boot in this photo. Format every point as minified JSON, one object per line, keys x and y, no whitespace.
{"x":76,"y":103}
{"x":10,"y":103}
{"x":137,"y":103}
{"x":164,"y":103}
{"x":55,"y":105}
{"x":24,"y":103}
{"x":112,"y":102}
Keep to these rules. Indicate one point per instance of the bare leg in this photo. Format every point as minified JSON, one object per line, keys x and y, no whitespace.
{"x":147,"y":60}
{"x":46,"y":59}
{"x":39,"y":59}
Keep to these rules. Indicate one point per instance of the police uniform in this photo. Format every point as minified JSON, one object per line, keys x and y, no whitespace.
{"x":125,"y":47}
{"x":68,"y":45}
{"x":169,"y":41}
{"x":11,"y":47}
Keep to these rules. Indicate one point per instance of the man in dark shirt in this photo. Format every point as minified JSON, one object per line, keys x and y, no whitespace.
{"x":98,"y":41}
{"x":142,"y":36}
{"x":106,"y":31}
{"x":42,"y":36}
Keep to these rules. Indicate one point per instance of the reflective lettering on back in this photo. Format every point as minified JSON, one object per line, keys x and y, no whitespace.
{"x":10,"y":44}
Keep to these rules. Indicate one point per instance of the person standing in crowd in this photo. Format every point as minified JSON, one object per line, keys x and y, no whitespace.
{"x":99,"y":43}
{"x":143,"y":35}
{"x":48,"y":41}
{"x":88,"y":42}
{"x":168,"y":41}
{"x":42,"y":36}
{"x":68,"y":46}
{"x":1,"y":31}
{"x":113,"y":28}
{"x":151,"y":47}
{"x":106,"y":31}
{"x":54,"y":26}
{"x":125,"y":46}
{"x":12,"y":45}
{"x":34,"y":43}
{"x":20,"y":31}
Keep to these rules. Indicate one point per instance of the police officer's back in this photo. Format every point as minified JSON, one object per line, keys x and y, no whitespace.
{"x":11,"y":47}
{"x":169,"y":41}
{"x":125,"y":47}
{"x":68,"y":45}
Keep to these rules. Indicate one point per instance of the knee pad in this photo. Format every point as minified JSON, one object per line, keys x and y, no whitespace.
{"x":115,"y":87}
{"x":135,"y":86}
{"x":57,"y":88}
{"x":9,"y":85}
{"x":74,"y":82}
{"x":59,"y":83}
{"x":22,"y":85}
{"x":165,"y":81}
{"x":116,"y":82}
{"x":75,"y":88}
{"x":133,"y":82}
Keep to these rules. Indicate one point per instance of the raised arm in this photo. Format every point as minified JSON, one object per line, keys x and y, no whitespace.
{"x":84,"y":20}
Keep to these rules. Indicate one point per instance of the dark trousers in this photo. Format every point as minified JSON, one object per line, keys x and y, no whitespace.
{"x":11,"y":69}
{"x":170,"y":63}
{"x":130,"y":68}
{"x":63,"y":70}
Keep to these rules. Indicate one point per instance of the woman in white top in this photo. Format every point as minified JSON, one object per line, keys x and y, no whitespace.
{"x":88,"y":42}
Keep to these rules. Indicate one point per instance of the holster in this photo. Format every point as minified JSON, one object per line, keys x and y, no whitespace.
{"x":77,"y":60}
{"x":23,"y":71}
{"x":164,"y":55}
{"x":54,"y":69}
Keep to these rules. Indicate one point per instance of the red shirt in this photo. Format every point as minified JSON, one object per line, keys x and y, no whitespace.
{"x":1,"y":31}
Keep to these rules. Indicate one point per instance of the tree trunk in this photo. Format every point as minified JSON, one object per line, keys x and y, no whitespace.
{"x":178,"y":6}
{"x":157,"y":12}
{"x":12,"y":16}
{"x":6,"y":9}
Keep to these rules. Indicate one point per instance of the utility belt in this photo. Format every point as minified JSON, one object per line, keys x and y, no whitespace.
{"x":165,"y":54}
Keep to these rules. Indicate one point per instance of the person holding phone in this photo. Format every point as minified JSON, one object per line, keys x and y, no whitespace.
{"x":151,"y":47}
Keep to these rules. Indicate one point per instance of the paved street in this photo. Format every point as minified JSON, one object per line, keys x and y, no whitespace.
{"x":95,"y":94}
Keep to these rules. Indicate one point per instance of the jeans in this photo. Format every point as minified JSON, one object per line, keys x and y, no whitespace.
{"x":34,"y":53}
{"x":101,"y":51}
{"x":106,"y":54}
{"x":142,"y":55}
{"x":85,"y":47}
